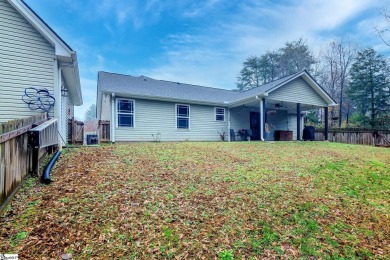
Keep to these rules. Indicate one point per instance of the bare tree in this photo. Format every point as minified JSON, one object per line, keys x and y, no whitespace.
{"x":382,"y":31}
{"x":338,"y":59}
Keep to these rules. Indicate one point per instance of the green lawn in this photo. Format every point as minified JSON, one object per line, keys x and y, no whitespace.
{"x":242,"y":200}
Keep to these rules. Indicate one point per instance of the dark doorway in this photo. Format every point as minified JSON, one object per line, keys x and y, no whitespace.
{"x":255,"y":125}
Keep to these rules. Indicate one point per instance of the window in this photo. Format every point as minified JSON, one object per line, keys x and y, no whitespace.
{"x":219,"y":114}
{"x":125,"y":111}
{"x":182,"y":116}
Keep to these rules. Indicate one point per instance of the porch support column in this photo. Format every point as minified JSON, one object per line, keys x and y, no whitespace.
{"x":228,"y":126}
{"x":298,"y":121}
{"x":112,"y":123}
{"x":326,"y":124}
{"x":262,"y":118}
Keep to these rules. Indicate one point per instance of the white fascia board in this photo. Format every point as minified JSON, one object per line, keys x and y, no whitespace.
{"x":72,"y":81}
{"x":61,"y":48}
{"x":246,"y":100}
{"x":175,"y":100}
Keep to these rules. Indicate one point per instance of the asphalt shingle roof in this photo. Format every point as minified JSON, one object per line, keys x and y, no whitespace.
{"x":148,"y":87}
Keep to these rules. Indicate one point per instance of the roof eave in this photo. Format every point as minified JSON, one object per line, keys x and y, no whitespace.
{"x":158,"y":98}
{"x":71,"y":76}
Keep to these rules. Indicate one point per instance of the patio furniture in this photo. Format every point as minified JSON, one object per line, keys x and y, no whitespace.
{"x":232,"y":135}
{"x":282,"y":135}
{"x":250,"y":134}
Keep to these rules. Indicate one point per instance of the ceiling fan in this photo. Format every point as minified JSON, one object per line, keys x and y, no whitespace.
{"x":280,"y":106}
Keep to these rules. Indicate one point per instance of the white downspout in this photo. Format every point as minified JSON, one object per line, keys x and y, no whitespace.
{"x":113,"y":117}
{"x":57,"y":105}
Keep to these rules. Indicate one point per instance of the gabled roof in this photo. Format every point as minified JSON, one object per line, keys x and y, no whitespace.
{"x":266,"y":89}
{"x":66,"y":57}
{"x":148,"y":88}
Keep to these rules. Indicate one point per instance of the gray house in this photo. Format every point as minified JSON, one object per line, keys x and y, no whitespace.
{"x":33,"y":55}
{"x":142,"y":108}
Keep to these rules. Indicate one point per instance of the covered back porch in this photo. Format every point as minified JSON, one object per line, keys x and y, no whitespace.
{"x":270,"y":120}
{"x":275,"y":111}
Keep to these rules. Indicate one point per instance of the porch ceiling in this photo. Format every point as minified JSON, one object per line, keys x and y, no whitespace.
{"x":278,"y":105}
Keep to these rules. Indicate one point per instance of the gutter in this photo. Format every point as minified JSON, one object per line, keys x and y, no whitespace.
{"x":157,"y":98}
{"x":261,"y":95}
{"x":75,"y":78}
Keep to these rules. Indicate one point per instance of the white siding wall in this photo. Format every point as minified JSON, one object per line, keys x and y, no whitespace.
{"x":278,"y":121}
{"x":27,"y":60}
{"x":152,"y":117}
{"x":66,"y":113}
{"x":106,"y":108}
{"x":240,"y":118}
{"x":292,"y":125}
{"x":298,"y":91}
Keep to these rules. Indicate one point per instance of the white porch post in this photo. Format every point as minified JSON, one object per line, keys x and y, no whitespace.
{"x":112,"y":134}
{"x":228,"y":130}
{"x":262,"y":119}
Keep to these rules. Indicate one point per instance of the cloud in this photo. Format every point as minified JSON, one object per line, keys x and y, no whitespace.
{"x":213,"y":55}
{"x":217,"y":37}
{"x":200,"y":8}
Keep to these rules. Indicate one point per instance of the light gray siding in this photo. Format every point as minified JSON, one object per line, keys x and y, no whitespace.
{"x":298,"y":91}
{"x":153,"y":117}
{"x":106,"y":107}
{"x":240,"y":117}
{"x":292,"y":125}
{"x":27,"y":60}
{"x":278,"y":121}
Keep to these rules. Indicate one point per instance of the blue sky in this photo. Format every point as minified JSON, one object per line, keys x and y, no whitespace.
{"x":200,"y":42}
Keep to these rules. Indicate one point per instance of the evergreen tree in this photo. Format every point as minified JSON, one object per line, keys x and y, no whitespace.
{"x":250,"y":75}
{"x":369,"y":87}
{"x":293,"y":57}
{"x":90,"y":114}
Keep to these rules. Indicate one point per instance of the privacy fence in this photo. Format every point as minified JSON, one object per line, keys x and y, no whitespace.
{"x":15,"y":155}
{"x":104,"y":131}
{"x":355,"y":136}
{"x":75,"y":131}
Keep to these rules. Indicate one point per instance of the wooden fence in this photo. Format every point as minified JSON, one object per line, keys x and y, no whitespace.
{"x":104,"y":131}
{"x":75,"y":131}
{"x":355,"y":136}
{"x":15,"y":156}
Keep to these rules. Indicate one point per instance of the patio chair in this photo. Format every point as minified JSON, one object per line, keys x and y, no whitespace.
{"x":250,"y":134}
{"x":232,"y":135}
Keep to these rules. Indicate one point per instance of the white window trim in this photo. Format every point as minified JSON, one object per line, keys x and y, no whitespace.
{"x":189,"y":117}
{"x":116,"y":112}
{"x":215,"y":114}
